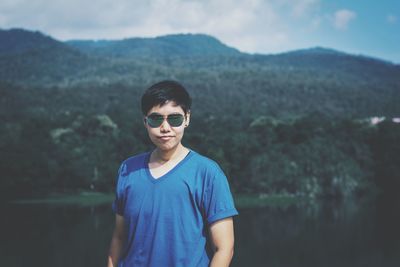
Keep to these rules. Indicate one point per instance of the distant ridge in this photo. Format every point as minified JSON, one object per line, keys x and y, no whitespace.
{"x":20,"y":41}
{"x":318,"y":50}
{"x":33,"y":58}
{"x":163,"y":46}
{"x":323,"y":51}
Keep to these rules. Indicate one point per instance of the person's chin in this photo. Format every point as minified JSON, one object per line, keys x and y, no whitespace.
{"x":162,"y":144}
{"x":166,"y":146}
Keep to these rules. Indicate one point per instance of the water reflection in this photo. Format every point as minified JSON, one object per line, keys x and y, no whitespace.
{"x":348,"y":233}
{"x":40,"y":235}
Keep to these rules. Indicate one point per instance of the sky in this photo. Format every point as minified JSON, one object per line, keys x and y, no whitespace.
{"x":366,"y":27}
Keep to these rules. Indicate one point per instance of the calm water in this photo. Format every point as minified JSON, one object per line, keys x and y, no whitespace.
{"x":306,"y":234}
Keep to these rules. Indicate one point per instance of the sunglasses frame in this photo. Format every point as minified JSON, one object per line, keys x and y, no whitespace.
{"x":151,"y":122}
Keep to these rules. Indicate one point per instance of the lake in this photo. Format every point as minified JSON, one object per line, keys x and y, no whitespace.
{"x":308,"y":233}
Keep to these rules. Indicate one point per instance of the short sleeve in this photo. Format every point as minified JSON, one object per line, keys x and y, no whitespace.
{"x":118,"y":205}
{"x":218,"y":202}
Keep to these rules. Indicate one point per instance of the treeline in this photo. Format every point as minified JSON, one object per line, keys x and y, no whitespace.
{"x":67,"y":140}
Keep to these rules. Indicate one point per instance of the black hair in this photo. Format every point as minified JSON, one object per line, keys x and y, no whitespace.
{"x":164,"y":91}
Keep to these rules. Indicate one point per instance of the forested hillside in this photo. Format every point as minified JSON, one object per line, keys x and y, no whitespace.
{"x":294,"y":123}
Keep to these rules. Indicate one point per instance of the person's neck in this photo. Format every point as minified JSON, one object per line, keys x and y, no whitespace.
{"x":163,"y":156}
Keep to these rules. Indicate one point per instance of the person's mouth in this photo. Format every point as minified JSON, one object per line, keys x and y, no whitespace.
{"x":165,"y":137}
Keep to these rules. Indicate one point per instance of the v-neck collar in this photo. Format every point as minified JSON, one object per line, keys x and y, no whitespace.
{"x":164,"y":176}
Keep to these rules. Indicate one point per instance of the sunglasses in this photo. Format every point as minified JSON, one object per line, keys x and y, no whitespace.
{"x":154,"y":120}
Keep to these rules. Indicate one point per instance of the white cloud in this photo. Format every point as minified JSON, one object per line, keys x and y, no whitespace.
{"x":303,"y":8}
{"x":250,"y":25}
{"x":342,"y":18}
{"x":392,"y":19}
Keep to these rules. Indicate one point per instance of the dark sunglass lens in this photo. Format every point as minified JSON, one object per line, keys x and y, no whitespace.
{"x":155,"y":121}
{"x":175,"y":120}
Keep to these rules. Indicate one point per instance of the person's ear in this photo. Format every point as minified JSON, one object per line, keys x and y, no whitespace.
{"x":187,"y":119}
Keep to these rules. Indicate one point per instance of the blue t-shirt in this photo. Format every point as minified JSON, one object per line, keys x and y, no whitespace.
{"x":167,"y":219}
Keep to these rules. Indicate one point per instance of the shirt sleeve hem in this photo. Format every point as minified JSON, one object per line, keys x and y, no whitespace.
{"x":115,"y":210}
{"x":222,"y":215}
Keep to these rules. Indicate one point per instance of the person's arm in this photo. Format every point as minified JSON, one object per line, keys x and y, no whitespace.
{"x":117,"y":242}
{"x":222,"y":237}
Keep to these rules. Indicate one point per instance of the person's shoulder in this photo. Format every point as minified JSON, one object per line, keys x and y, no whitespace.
{"x":136,"y":158}
{"x":133,"y":163}
{"x":204,"y":162}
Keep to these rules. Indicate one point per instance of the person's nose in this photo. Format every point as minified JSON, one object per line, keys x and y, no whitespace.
{"x":165,"y":127}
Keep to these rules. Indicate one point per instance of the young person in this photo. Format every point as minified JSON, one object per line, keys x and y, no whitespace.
{"x":173,"y":206}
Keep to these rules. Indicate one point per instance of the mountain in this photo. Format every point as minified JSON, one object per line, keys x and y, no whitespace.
{"x":17,"y":41}
{"x":31,"y":58}
{"x":28,"y":57}
{"x":187,"y":45}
